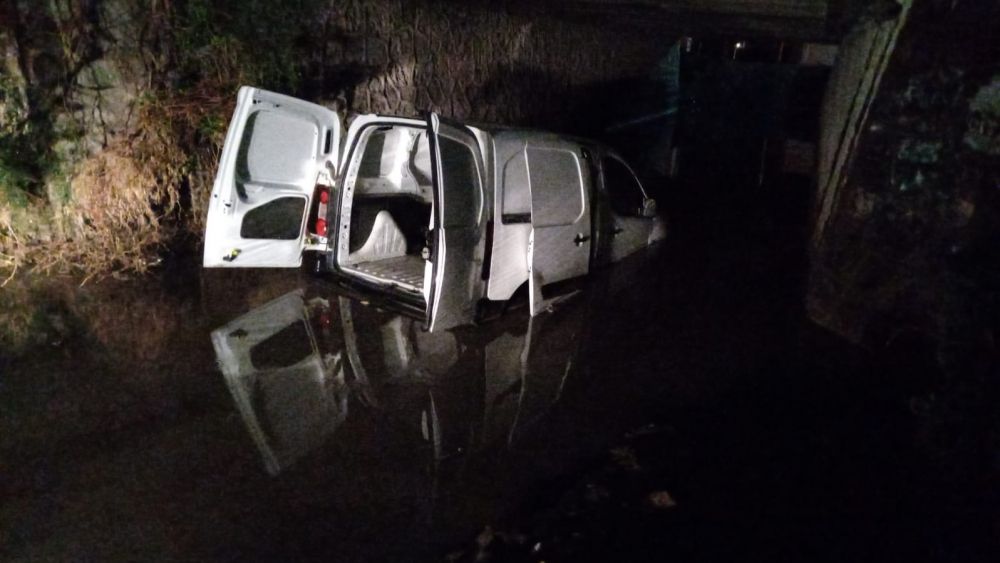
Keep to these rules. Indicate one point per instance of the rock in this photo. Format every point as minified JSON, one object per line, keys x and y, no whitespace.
{"x":595,"y":493}
{"x":661,"y":500}
{"x":625,"y":458}
{"x":485,"y":538}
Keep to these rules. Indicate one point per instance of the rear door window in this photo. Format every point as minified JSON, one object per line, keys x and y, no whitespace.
{"x":278,"y":219}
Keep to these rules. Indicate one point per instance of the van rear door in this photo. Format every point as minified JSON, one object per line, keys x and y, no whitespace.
{"x":277,"y":151}
{"x":459,"y":179}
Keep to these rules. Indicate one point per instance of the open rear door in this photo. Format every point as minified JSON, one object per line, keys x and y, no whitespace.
{"x":455,"y":266}
{"x":277,"y":150}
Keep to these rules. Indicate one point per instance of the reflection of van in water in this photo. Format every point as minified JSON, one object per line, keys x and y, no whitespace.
{"x":295,"y":364}
{"x":437,"y":215}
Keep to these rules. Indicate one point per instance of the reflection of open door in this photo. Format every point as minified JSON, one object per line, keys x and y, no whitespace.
{"x":290,"y":397}
{"x":526,"y":373}
{"x":549,"y":359}
{"x":455,"y":267}
{"x":276,"y":150}
{"x":559,"y":243}
{"x":504,"y":361}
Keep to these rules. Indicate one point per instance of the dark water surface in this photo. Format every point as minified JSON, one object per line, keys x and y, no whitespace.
{"x":263,"y":415}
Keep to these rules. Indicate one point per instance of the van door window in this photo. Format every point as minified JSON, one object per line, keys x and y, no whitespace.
{"x":461,"y":183}
{"x":283,"y":349}
{"x":557,"y":190}
{"x":623,"y":188}
{"x":278,"y":219}
{"x":516,"y":195}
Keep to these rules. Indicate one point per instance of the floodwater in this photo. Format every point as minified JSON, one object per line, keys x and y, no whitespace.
{"x":265,"y":414}
{"x":231,"y":415}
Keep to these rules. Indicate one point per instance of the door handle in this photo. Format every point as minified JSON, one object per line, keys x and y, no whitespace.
{"x":617,"y":231}
{"x":580,"y":239}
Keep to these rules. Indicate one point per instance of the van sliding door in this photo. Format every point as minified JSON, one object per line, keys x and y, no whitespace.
{"x":559,"y":243}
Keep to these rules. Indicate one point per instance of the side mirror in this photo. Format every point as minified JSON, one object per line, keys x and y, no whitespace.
{"x":648,"y":210}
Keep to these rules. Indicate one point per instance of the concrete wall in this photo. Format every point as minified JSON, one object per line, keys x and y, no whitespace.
{"x":861,"y":62}
{"x":906,"y":238}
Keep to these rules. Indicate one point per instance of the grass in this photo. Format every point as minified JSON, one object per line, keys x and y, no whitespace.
{"x":68,"y":208}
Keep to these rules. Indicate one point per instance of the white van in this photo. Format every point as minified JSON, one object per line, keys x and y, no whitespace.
{"x":439,"y":216}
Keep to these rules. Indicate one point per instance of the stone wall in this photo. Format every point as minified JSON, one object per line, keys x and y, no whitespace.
{"x":477,"y":61}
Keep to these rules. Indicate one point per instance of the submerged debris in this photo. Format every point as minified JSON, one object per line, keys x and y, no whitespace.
{"x":620,"y":495}
{"x":661,"y":499}
{"x":625,"y":458}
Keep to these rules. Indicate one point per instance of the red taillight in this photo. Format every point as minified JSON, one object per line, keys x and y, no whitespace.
{"x":323,"y":196}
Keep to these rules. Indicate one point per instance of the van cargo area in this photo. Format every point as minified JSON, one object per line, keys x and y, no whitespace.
{"x":389,"y":194}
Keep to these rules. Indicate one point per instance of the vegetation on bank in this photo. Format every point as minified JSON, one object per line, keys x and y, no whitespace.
{"x":112,"y":114}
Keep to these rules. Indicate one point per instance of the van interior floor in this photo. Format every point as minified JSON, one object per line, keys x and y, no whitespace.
{"x":407,"y":270}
